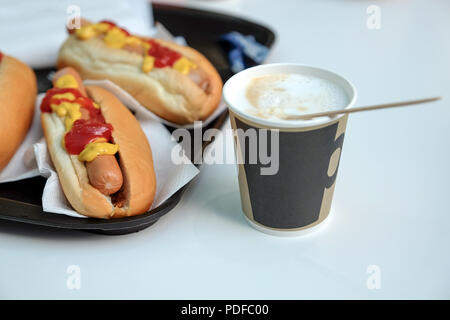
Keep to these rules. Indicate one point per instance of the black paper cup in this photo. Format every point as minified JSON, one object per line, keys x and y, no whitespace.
{"x":297,"y":198}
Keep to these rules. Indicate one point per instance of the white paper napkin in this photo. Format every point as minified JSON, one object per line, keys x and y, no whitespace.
{"x":127,"y":99}
{"x":170,"y":177}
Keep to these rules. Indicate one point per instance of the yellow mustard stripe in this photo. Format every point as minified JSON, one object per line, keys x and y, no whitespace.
{"x":183,"y":65}
{"x":148,"y":63}
{"x":69,"y":110}
{"x":66,"y":81}
{"x":67,"y":95}
{"x":115,"y":38}
{"x":86,"y":32}
{"x":94,"y":149}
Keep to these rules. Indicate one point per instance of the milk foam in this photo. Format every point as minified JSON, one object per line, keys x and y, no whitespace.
{"x":274,"y":96}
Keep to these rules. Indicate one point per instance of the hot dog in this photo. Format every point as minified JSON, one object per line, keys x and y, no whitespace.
{"x":18,"y":89}
{"x":102,"y":156}
{"x":103,"y":172}
{"x":175,"y":82}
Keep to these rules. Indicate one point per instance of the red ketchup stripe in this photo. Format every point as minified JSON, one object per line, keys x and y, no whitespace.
{"x":112,"y":24}
{"x":164,"y":57}
{"x":84,"y":132}
{"x":94,"y":113}
{"x":48,"y":99}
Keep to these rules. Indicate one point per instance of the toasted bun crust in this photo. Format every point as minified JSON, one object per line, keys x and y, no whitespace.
{"x":136,"y":162}
{"x":17,"y":97}
{"x":166,"y":92}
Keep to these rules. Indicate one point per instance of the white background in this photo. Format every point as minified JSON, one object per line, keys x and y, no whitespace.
{"x":391,"y":204}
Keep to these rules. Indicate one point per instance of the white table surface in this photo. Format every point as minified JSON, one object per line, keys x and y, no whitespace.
{"x":391,"y":203}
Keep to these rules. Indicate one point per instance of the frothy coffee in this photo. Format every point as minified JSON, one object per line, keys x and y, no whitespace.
{"x":275,"y":96}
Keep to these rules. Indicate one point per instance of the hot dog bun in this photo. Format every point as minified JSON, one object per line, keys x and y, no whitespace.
{"x":18,"y":89}
{"x":135,"y":158}
{"x":103,"y":172}
{"x":165,"y":91}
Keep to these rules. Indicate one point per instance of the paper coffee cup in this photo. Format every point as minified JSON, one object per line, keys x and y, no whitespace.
{"x":297,"y":198}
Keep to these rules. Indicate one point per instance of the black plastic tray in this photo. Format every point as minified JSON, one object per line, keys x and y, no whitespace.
{"x":21,"y":200}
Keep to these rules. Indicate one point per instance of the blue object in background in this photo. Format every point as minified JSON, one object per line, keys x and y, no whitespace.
{"x":243,"y":46}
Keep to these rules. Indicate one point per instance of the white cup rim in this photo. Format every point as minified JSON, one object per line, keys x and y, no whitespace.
{"x":350,"y":89}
